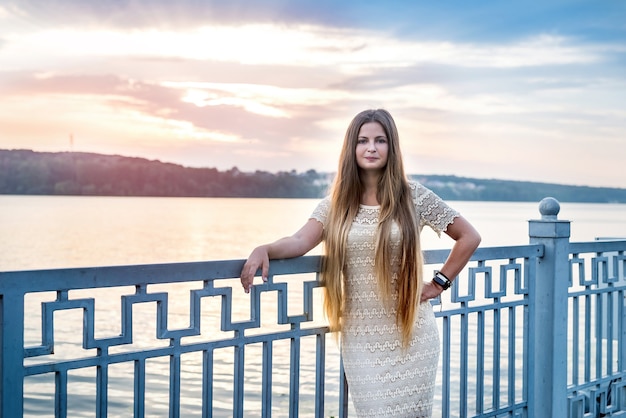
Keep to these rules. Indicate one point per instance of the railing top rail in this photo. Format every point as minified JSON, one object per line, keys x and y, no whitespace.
{"x":517,"y":251}
{"x":597,"y":246}
{"x":115,"y":276}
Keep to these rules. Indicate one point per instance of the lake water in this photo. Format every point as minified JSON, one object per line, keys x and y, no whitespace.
{"x":41,"y":232}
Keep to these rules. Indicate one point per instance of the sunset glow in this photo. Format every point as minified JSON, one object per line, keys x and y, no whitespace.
{"x":273,"y":86}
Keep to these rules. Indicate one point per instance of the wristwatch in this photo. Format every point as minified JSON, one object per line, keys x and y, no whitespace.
{"x":442,"y":280}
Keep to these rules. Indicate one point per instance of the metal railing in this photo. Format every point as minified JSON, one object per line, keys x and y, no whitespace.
{"x":597,"y":333}
{"x":534,"y":330}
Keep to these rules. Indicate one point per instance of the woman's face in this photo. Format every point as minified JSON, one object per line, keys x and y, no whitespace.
{"x":372,"y":147}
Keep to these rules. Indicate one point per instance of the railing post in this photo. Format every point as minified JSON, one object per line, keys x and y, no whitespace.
{"x":548,"y":290}
{"x":11,"y":354}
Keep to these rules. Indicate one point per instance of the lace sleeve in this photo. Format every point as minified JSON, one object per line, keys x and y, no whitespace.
{"x":321,"y":211}
{"x":431,"y":209}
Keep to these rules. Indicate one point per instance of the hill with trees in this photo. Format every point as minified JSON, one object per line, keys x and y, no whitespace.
{"x":25,"y":172}
{"x":78,"y":173}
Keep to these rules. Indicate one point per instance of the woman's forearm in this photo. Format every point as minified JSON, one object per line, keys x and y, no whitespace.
{"x":467,"y":240}
{"x":297,"y":244}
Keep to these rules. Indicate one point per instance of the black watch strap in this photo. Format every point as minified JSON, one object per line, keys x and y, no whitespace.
{"x":442,"y":280}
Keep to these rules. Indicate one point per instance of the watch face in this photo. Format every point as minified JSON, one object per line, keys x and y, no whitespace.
{"x":441,"y":281}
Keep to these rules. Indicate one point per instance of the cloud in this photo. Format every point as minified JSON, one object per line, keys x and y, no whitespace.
{"x":142,"y":14}
{"x":229,"y":112}
{"x":273,"y":103}
{"x":351,"y":52}
{"x":450,"y":19}
{"x":275,"y":88}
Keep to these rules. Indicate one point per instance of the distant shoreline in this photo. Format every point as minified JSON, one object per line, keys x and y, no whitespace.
{"x":26,"y":172}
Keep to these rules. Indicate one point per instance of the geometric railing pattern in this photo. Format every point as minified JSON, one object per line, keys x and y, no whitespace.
{"x":100,"y":354}
{"x":184,"y":339}
{"x":597,"y":340}
{"x":485,"y":335}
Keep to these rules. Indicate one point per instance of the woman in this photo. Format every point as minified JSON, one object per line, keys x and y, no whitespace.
{"x":372,"y":271}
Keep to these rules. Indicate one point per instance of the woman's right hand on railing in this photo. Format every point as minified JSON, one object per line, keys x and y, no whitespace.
{"x":296,"y":245}
{"x":258,"y":259}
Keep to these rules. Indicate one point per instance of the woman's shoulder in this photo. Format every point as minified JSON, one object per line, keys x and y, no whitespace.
{"x":325,"y":201}
{"x":417,"y":188}
{"x":321,"y":210}
{"x":422,"y":195}
{"x":431,"y":209}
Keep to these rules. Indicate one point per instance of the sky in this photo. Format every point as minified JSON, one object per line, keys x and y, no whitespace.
{"x":512,"y":90}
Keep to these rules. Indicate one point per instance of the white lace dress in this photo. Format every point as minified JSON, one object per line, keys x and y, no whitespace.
{"x":384,"y":379}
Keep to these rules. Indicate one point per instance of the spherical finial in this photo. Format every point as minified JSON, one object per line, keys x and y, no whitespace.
{"x":549,"y":208}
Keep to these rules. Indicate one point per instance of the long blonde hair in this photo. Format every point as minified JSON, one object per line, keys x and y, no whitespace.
{"x":396,"y":205}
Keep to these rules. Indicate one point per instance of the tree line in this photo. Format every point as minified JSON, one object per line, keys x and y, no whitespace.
{"x":458,"y":188}
{"x":26,"y":172}
{"x":77,"y":173}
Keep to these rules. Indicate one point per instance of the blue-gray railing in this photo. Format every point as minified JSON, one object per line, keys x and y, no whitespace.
{"x":533,"y":330}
